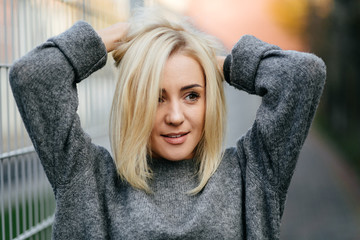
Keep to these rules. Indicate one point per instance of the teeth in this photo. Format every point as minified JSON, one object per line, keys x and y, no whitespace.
{"x":176,"y":136}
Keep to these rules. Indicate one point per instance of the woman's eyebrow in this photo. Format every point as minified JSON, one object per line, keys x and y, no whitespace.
{"x":163,"y":90}
{"x":190,"y":86}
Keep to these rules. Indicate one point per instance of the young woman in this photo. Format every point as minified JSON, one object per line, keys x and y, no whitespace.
{"x":169,"y":177}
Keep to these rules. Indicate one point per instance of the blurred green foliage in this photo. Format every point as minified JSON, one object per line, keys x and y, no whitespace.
{"x":335,"y":37}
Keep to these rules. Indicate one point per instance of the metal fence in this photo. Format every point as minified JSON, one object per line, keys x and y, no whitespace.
{"x":26,"y":199}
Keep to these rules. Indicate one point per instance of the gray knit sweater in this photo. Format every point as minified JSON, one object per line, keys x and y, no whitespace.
{"x":245,"y":197}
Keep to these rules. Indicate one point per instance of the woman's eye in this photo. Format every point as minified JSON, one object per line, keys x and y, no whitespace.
{"x":192,"y":97}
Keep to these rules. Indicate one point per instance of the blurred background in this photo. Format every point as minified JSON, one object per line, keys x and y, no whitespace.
{"x":324,"y":196}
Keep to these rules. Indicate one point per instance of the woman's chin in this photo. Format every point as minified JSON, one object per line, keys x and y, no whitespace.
{"x":173,"y":157}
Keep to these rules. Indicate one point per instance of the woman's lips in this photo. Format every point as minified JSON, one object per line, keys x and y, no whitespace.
{"x":175,"y":138}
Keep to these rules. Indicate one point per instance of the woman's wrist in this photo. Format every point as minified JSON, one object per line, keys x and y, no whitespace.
{"x":220,"y":61}
{"x":111,"y":35}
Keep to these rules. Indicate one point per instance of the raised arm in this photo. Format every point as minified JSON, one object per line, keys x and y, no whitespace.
{"x":44,"y":87}
{"x":290,"y":84}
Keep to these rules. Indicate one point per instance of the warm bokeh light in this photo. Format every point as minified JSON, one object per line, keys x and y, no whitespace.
{"x":291,"y":15}
{"x":230,"y":19}
{"x":322,"y":7}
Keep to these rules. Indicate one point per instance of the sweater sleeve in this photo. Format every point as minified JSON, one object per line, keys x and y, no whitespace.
{"x":44,"y":86}
{"x":290,"y":84}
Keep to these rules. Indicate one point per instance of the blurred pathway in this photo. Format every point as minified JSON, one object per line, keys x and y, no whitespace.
{"x":324,"y":196}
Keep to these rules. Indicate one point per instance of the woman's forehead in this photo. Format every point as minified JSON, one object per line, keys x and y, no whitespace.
{"x":182,"y":70}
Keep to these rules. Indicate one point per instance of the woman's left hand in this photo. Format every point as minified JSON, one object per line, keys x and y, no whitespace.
{"x":111,"y":35}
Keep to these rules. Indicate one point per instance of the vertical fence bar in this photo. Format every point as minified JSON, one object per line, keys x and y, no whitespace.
{"x":9,"y":175}
{"x":9,"y":198}
{"x":35,"y":190}
{"x":31,"y":13}
{"x":43,"y":19}
{"x":5,"y":32}
{"x":2,"y":200}
{"x":29,"y":196}
{"x":21,"y":49}
{"x":17,"y":197}
{"x":1,"y":113}
{"x":41,"y":197}
{"x":47,"y":207}
{"x":26,"y":22}
{"x":12,"y":31}
{"x":2,"y":227}
{"x":15,"y":132}
{"x":23,"y":194}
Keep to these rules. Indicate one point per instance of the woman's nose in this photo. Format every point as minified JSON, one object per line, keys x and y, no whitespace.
{"x":175,"y":114}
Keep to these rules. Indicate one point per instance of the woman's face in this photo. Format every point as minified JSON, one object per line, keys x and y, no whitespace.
{"x":180,"y":114}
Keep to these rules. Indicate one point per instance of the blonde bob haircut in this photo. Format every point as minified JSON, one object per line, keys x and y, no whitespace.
{"x":140,"y":58}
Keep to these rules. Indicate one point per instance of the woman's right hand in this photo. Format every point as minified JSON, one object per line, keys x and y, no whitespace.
{"x":111,"y":35}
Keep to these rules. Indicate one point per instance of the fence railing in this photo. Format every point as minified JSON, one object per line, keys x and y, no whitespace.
{"x":26,"y":199}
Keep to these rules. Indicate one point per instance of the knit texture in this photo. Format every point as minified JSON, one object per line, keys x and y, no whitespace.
{"x":245,"y":197}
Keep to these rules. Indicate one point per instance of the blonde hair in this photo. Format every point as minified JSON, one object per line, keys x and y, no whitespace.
{"x":140,"y":57}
